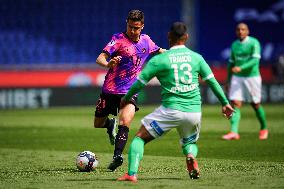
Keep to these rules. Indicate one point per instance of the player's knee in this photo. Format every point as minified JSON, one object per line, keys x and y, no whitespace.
{"x":124,"y":120}
{"x":255,"y":106}
{"x":144,"y":134}
{"x":236,"y":104}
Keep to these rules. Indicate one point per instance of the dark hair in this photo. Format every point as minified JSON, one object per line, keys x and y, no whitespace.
{"x":178,"y":29}
{"x":136,"y":15}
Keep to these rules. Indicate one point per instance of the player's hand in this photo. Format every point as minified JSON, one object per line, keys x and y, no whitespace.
{"x":114,"y":61}
{"x":161,"y":50}
{"x":236,"y":69}
{"x":228,"y":111}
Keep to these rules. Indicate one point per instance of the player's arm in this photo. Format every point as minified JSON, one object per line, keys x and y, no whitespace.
{"x":255,"y":57}
{"x":229,"y":71}
{"x":209,"y":78}
{"x":161,"y":50}
{"x":135,"y":88}
{"x":227,"y":109}
{"x":144,"y":77}
{"x":153,"y":48}
{"x":249,"y":64}
{"x":102,"y":60}
{"x":108,"y":52}
{"x":217,"y":90}
{"x":230,"y":65}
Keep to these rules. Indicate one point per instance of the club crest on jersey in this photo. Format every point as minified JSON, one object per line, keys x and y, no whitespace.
{"x":111,"y":43}
{"x":143,"y":50}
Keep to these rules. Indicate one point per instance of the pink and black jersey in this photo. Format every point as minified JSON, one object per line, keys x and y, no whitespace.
{"x":134,"y":54}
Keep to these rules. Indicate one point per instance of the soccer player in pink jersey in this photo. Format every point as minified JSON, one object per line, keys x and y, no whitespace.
{"x":124,"y":56}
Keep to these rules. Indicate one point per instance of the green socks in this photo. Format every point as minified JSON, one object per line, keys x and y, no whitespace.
{"x":190,"y":148}
{"x":136,"y":151}
{"x":260,"y":114}
{"x":235,"y":120}
{"x":135,"y":155}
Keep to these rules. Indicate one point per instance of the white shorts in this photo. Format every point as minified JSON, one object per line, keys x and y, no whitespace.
{"x":246,"y":89}
{"x":163,"y":119}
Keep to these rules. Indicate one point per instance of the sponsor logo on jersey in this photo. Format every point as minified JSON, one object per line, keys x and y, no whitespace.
{"x":111,"y":43}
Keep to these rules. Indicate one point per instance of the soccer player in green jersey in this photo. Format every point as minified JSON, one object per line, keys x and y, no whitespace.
{"x":245,"y":80}
{"x":178,"y":71}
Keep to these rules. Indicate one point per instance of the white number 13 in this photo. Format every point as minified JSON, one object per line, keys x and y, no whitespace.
{"x":186,"y":68}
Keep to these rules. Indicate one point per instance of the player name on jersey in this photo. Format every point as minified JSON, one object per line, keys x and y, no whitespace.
{"x":178,"y":57}
{"x":184,"y":88}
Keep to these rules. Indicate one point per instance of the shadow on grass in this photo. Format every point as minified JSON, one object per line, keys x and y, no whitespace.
{"x":115,"y":179}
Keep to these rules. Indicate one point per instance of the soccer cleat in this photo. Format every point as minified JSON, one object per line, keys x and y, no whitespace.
{"x":116,"y":162}
{"x":126,"y":177}
{"x":192,"y":167}
{"x":231,"y":136}
{"x":263,"y":134}
{"x":111,"y":130}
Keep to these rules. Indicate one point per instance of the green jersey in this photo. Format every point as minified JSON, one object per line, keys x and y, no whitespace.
{"x":178,"y":71}
{"x":246,"y":55}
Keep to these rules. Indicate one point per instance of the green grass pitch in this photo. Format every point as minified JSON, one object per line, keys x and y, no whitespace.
{"x":38,"y":149}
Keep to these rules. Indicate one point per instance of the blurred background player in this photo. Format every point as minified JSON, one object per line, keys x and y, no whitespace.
{"x":245,"y":80}
{"x":178,"y":70}
{"x":125,"y":56}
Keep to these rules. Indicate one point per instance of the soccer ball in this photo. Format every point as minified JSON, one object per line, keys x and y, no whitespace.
{"x":87,"y":161}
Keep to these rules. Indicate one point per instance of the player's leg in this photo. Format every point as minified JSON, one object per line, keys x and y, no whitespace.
{"x":189,"y":134}
{"x":260,"y":114}
{"x":126,"y":116}
{"x":234,"y":121}
{"x":153,"y":126}
{"x":109,"y":124}
{"x":192,"y":165}
{"x":101,"y":119}
{"x":135,"y":154}
{"x":236,"y":96}
{"x":253,"y":85}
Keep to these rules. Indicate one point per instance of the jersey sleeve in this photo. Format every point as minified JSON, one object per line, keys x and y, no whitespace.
{"x":208,"y":76}
{"x":205,"y":70}
{"x":112,"y":46}
{"x":256,"y":50}
{"x":249,"y":64}
{"x":232,"y":57}
{"x":144,"y":77}
{"x":149,"y":71}
{"x":217,"y":90}
{"x":153,"y":48}
{"x":231,"y":63}
{"x":255,"y":57}
{"x":134,"y":89}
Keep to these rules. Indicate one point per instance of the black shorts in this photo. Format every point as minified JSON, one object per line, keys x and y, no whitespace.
{"x":109,"y":104}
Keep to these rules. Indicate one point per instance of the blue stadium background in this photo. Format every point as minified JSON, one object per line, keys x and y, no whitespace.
{"x":72,"y":31}
{"x":48,"y":48}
